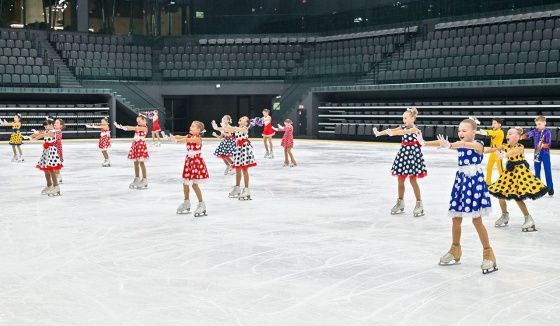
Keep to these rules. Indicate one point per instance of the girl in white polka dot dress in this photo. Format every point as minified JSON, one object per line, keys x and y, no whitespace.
{"x":409,"y":162}
{"x":469,"y":196}
{"x":138,"y":151}
{"x":50,"y":161}
{"x":243,"y":158}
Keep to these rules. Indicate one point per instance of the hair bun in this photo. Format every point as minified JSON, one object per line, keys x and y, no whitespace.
{"x":476,"y":121}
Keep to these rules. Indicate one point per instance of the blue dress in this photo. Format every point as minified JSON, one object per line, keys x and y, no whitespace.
{"x":469,"y":196}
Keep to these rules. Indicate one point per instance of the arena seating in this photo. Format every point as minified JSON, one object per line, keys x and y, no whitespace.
{"x":75,"y":116}
{"x":518,"y":46}
{"x":22,"y":63}
{"x":104,"y":57}
{"x":356,"y":120}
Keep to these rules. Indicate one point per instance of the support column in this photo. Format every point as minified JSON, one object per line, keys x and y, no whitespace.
{"x":82,"y":15}
{"x":112,"y":114}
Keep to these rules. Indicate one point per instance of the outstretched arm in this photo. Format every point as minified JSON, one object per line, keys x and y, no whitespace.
{"x":228,"y":128}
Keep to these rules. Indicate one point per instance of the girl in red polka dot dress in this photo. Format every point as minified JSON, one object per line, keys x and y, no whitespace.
{"x":58,"y":127}
{"x":138,"y":151}
{"x":104,"y":139}
{"x":194,"y":169}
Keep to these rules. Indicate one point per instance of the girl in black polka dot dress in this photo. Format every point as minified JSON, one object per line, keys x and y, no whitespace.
{"x":226,"y":148}
{"x":517,"y":182}
{"x":409,"y":162}
{"x":243,"y":158}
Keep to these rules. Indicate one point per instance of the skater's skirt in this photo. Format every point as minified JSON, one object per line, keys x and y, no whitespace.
{"x":104,"y":143}
{"x":469,"y":196}
{"x":156,"y":127}
{"x":139,"y":151}
{"x":194,"y":170}
{"x":268,"y":131}
{"x":243,"y":166}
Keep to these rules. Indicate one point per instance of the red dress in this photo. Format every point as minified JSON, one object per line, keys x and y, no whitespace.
{"x":288,"y":139}
{"x":105,"y":140}
{"x":268,"y":131}
{"x":58,"y":144}
{"x":194,"y":169}
{"x":155,"y":126}
{"x":139,"y":150}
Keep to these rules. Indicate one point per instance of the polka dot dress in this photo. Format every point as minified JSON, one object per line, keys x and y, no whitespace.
{"x":469,"y":196}
{"x":409,"y":161}
{"x":227,"y":147}
{"x":518,"y":183}
{"x":15,"y":136}
{"x":104,"y":140}
{"x":50,"y":160}
{"x":243,"y":157}
{"x":194,"y":170}
{"x":139,"y":150}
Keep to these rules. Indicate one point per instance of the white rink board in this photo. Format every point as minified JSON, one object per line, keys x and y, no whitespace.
{"x":315,"y":246}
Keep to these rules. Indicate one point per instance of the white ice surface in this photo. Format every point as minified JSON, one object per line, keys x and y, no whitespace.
{"x":316,"y":246}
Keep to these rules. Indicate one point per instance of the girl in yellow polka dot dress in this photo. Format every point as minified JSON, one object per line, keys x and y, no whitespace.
{"x":517,"y":182}
{"x":16,"y":138}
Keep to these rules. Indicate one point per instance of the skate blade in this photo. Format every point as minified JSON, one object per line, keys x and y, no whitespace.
{"x":531,"y":229}
{"x":490,"y":270}
{"x":449,"y":264}
{"x":245,"y":198}
{"x":500,"y":226}
{"x":200,"y":214}
{"x":183,"y":212}
{"x":54,"y":195}
{"x":397,"y":213}
{"x":419,"y":215}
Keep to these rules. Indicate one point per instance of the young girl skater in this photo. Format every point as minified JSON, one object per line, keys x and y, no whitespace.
{"x":58,"y":127}
{"x":469,"y":196}
{"x":243,"y":158}
{"x":226,"y":148}
{"x":50,"y":161}
{"x":267,"y":133}
{"x":287,"y":142}
{"x":156,"y":129}
{"x":517,"y":182}
{"x":194,"y":170}
{"x":409,"y":162}
{"x":138,"y":151}
{"x":16,"y":139}
{"x":104,"y":140}
{"x":496,"y":135}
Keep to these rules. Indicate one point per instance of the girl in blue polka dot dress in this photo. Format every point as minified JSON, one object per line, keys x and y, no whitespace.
{"x":469,"y":196}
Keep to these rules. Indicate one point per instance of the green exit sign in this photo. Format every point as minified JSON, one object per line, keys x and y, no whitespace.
{"x":199,"y":14}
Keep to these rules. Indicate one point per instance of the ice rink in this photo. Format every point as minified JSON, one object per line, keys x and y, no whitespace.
{"x":315,"y":246}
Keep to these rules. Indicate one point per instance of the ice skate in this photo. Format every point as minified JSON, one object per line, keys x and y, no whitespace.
{"x":20,"y":159}
{"x":134,"y":183}
{"x":54,"y":191}
{"x":271,"y":156}
{"x":529,"y":225}
{"x":502,"y":221}
{"x":106,"y":163}
{"x":285,"y":164}
{"x":59,"y":178}
{"x":452,"y":257}
{"x":46,"y":190}
{"x":184,"y":208}
{"x":245,"y":195}
{"x":418,"y":209}
{"x":231,"y":171}
{"x":14,"y":158}
{"x":551,"y":192}
{"x":235,"y":192}
{"x":266,"y":155}
{"x":488,"y":261}
{"x":398,"y":208}
{"x":142,"y":184}
{"x":228,"y":169}
{"x":200,"y":209}
{"x":293,"y":165}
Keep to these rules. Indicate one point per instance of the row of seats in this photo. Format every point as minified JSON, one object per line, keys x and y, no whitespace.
{"x":481,"y":42}
{"x":177,"y":65}
{"x":113,"y":73}
{"x":79,"y":63}
{"x":66,"y":37}
{"x":224,"y":73}
{"x":514,"y":18}
{"x":231,"y":49}
{"x":495,"y":50}
{"x":107,"y":56}
{"x":25,"y":70}
{"x":513,"y":103}
{"x":29,"y":80}
{"x":231,"y":56}
{"x":15,"y":44}
{"x":21,"y":60}
{"x":130,"y":49}
{"x":538,"y":25}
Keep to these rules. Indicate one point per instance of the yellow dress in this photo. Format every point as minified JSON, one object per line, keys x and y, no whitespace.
{"x":517,"y":182}
{"x":496,"y":140}
{"x":15,"y":137}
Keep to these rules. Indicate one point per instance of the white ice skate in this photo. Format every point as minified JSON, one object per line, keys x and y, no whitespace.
{"x":267,"y":155}
{"x":418,"y":209}
{"x":285,"y":164}
{"x":143,"y":184}
{"x":134,"y":183}
{"x":235,"y":192}
{"x":245,"y":195}
{"x":502,"y":221}
{"x":529,"y":225}
{"x":184,"y":208}
{"x":106,"y":163}
{"x":231,"y":171}
{"x":14,"y":158}
{"x":452,"y":257}
{"x":228,"y":168}
{"x":488,"y":261}
{"x":20,"y":159}
{"x":54,"y":191}
{"x":271,"y":156}
{"x":46,"y":190}
{"x":398,"y":208}
{"x":200,"y":210}
{"x":59,"y":178}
